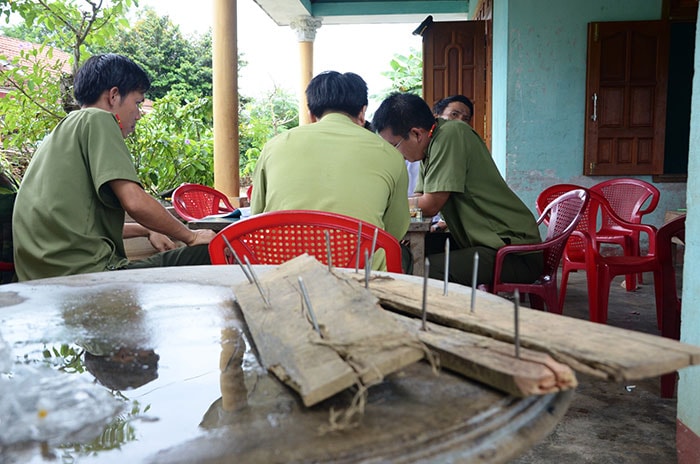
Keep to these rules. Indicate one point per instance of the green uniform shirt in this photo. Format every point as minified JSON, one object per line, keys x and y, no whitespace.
{"x":481,"y":209}
{"x":66,"y":218}
{"x":337,"y":166}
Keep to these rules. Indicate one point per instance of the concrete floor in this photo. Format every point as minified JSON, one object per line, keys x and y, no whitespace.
{"x":611,"y":422}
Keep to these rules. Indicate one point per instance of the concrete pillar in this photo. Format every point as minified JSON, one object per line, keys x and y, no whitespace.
{"x":225,"y":104}
{"x":305,"y":27}
{"x":688,"y":405}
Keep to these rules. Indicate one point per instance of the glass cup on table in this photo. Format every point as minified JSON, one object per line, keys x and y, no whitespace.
{"x":414,"y":210}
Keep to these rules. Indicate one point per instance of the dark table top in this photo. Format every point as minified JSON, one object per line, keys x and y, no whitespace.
{"x":199,"y":394}
{"x":215,"y":224}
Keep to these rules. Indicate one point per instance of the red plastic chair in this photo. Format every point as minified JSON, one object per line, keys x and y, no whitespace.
{"x":574,"y":257}
{"x":607,"y":267}
{"x":583,"y":253}
{"x":628,"y":198}
{"x":278,"y":236}
{"x":562,"y":214}
{"x":671,"y":303}
{"x":195,"y":201}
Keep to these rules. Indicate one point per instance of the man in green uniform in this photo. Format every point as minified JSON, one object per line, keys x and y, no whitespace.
{"x":69,"y":213}
{"x":454,"y":107}
{"x":334,"y":164}
{"x":459,"y":178}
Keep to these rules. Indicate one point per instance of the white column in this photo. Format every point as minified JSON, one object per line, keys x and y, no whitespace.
{"x":305,"y":27}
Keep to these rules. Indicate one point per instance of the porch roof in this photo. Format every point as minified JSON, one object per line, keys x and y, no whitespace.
{"x":365,"y":11}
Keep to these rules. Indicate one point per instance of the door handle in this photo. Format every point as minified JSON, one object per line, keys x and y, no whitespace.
{"x":594,"y":116}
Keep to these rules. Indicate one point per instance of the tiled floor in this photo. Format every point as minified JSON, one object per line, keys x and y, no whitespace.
{"x":610,"y":422}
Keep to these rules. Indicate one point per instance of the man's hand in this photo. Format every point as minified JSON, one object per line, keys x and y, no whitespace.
{"x":161,"y":242}
{"x":439,"y":226}
{"x":201,"y":237}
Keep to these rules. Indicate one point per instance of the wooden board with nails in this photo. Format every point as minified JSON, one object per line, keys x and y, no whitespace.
{"x":595,"y":349}
{"x":358,"y":342}
{"x":493,"y":362}
{"x":355,"y":332}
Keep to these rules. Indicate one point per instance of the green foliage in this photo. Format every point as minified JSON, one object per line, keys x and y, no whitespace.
{"x":74,"y":24}
{"x":406,"y":74}
{"x":36,"y":100}
{"x":68,"y":358}
{"x":262,"y":119}
{"x":31,"y":109}
{"x":117,"y":433}
{"x":174,"y":144}
{"x":36,"y":34}
{"x":174,"y":63}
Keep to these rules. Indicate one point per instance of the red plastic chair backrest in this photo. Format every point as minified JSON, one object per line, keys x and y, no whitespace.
{"x":627,"y":197}
{"x":278,"y":236}
{"x":195,"y":201}
{"x":562,"y":216}
{"x":577,"y":243}
{"x":7,"y":266}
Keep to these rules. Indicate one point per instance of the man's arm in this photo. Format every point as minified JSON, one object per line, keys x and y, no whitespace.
{"x":429,"y":203}
{"x":146,"y":211}
{"x":160,"y":242}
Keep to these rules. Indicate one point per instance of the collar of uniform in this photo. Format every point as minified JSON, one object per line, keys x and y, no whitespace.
{"x":336,"y":116}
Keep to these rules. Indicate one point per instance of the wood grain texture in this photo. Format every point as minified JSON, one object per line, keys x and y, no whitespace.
{"x":493,"y":362}
{"x":359,"y":343}
{"x":595,"y":349}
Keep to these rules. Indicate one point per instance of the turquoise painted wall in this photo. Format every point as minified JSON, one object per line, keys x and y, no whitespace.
{"x":689,"y":384}
{"x":541,"y":135}
{"x":538,"y":126}
{"x":499,"y":98}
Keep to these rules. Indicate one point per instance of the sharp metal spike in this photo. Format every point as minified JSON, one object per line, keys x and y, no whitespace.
{"x":368,"y":269}
{"x":425,"y":296}
{"x":328,"y":251}
{"x":475,"y":272}
{"x":359,"y":246}
{"x":308,"y":305}
{"x":237,"y":259}
{"x":374,"y":245}
{"x":255,"y":279}
{"x":447,"y":265}
{"x":516,"y":296}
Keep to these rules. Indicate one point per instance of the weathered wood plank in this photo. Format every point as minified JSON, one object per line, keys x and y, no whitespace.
{"x":360,"y":342}
{"x":493,"y":362}
{"x":595,"y":349}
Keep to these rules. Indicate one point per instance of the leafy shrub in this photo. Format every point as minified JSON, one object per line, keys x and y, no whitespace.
{"x":174,"y":143}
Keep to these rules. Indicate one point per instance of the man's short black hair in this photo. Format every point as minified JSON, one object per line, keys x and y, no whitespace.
{"x":440,"y":106}
{"x":401,"y":112}
{"x":102,"y":72}
{"x":333,"y":91}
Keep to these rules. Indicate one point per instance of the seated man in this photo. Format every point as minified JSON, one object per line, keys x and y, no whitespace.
{"x":69,"y":213}
{"x":459,"y":178}
{"x":334,"y":164}
{"x":454,"y":107}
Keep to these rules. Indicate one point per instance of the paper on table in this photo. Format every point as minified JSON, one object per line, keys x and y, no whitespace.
{"x":235,"y":214}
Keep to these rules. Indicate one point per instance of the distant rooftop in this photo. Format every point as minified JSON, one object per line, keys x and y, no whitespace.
{"x":11,"y":48}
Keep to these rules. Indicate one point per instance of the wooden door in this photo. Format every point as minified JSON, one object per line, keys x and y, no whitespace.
{"x":626,"y":85}
{"x":455,"y":62}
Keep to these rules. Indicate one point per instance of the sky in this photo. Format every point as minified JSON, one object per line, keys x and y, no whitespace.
{"x":272,"y":51}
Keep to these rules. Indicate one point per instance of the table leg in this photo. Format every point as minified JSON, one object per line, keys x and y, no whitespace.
{"x":416,"y":243}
